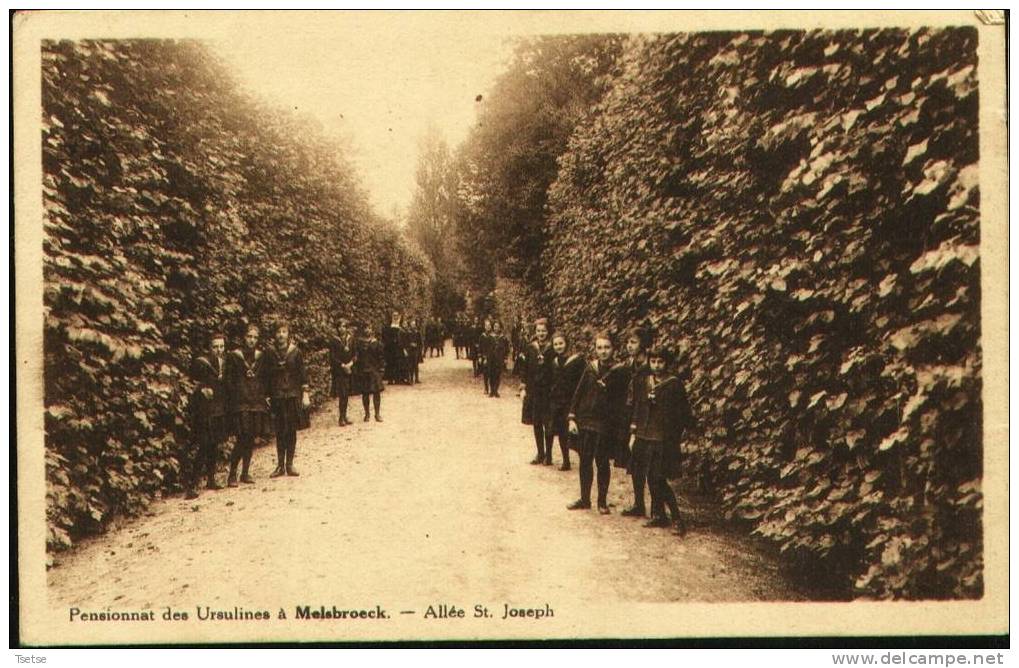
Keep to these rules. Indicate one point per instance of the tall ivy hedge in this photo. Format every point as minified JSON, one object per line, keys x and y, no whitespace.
{"x":799,"y":212}
{"x":176,"y":205}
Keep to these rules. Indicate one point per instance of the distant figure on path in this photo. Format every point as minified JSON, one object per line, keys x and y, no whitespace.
{"x":495,"y":358}
{"x":459,"y":335}
{"x":368,"y":373}
{"x":410,"y":343}
{"x":481,"y":353}
{"x":474,"y":331}
{"x":392,"y":350}
{"x":342,"y":355}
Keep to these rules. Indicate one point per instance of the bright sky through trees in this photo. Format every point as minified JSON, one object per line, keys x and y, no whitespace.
{"x":377,"y":82}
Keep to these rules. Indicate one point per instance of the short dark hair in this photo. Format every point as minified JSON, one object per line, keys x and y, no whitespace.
{"x":559,"y":334}
{"x":217,"y":335}
{"x":541,"y":321}
{"x":662,"y":352}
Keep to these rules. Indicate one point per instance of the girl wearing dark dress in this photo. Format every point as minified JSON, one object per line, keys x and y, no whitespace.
{"x":368,"y":374}
{"x":495,"y":361}
{"x":247,"y":387}
{"x":342,"y":355}
{"x":661,"y":413}
{"x":207,"y":406}
{"x":535,"y":388}
{"x":288,"y":390}
{"x":565,"y":371}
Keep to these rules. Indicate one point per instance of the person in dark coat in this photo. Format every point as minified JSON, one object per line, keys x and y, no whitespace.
{"x":535,"y":386}
{"x":498,"y":348}
{"x":481,"y":354}
{"x":289,"y":399}
{"x":247,"y":383}
{"x":459,"y":335}
{"x":474,"y":332}
{"x":566,"y":371}
{"x":368,"y":373}
{"x":587,"y":423}
{"x":661,"y":413}
{"x":620,"y":413}
{"x":517,"y":341}
{"x":392,"y":348}
{"x":410,"y":342}
{"x":430,"y":336}
{"x":436,"y":338}
{"x":419,"y":327}
{"x":341,"y":367}
{"x":207,"y":406}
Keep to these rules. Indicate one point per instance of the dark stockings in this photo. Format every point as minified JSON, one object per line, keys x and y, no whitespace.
{"x":376,"y":400}
{"x":243,"y":448}
{"x":590,"y":454}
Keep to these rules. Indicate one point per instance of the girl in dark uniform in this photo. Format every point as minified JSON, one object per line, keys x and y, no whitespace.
{"x":661,"y":413}
{"x":459,"y":334}
{"x":247,"y":388}
{"x":368,"y":373}
{"x":587,"y":418}
{"x":481,"y":352}
{"x":620,"y":411}
{"x":208,"y":409}
{"x":566,"y":370}
{"x":498,"y":348}
{"x":411,"y":344}
{"x":534,"y":390}
{"x":288,"y":390}
{"x":341,"y":364}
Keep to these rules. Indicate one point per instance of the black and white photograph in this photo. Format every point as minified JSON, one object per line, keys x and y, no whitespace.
{"x":376,"y":326}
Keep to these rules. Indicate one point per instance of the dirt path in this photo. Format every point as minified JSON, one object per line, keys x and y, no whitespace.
{"x":439,"y":498}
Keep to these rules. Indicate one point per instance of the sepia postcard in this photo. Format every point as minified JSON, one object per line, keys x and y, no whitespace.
{"x":362,"y":326}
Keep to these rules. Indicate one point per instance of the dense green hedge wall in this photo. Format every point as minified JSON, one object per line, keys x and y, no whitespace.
{"x":175,"y":205}
{"x":799,"y":212}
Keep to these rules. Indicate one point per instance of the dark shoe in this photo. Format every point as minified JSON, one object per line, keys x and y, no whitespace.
{"x":537,"y":460}
{"x":495,"y":394}
{"x":367,"y":417}
{"x":378,"y":418}
{"x":347,"y":422}
{"x":247,"y":480}
{"x":212,"y":484}
{"x":278,"y":472}
{"x":657,"y":523}
{"x":548,"y":461}
{"x":680,"y":529}
{"x":231,"y":481}
{"x":291,"y":471}
{"x":565,"y":466}
{"x":604,"y":510}
{"x":191,"y":494}
{"x":579,"y":505}
{"x":633,"y":512}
